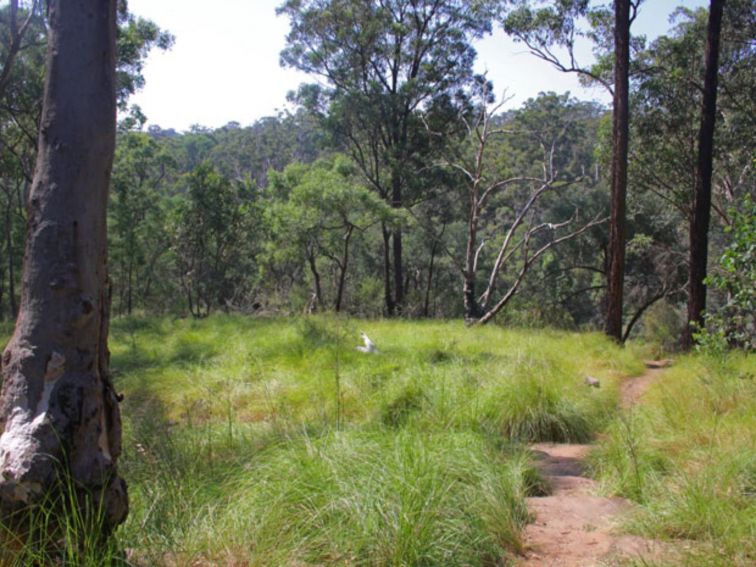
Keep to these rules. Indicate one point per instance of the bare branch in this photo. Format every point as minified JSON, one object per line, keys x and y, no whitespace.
{"x":477,"y":255}
{"x":507,"y":240}
{"x":491,"y":313}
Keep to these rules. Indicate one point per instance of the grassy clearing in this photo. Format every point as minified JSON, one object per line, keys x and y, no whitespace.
{"x":272,"y":442}
{"x":277,"y":443}
{"x":687,"y":455}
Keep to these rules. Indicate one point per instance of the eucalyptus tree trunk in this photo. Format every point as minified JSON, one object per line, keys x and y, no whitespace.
{"x":701,"y":214}
{"x":387,"y":294}
{"x":343,"y":265}
{"x":59,"y":414}
{"x":396,"y":203}
{"x":316,"y":278}
{"x":620,"y":137}
{"x":11,"y":258}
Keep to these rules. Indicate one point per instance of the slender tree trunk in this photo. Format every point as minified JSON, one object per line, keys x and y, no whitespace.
{"x":190,"y":301}
{"x":387,"y":294}
{"x":639,"y":313}
{"x":396,"y":202}
{"x":16,"y":38}
{"x":130,"y":287}
{"x":343,"y":265}
{"x":429,"y":286}
{"x":620,"y":136}
{"x":59,"y":412}
{"x":2,"y":293}
{"x":701,"y":215}
{"x":471,"y":306}
{"x":316,"y":278}
{"x":398,"y":272}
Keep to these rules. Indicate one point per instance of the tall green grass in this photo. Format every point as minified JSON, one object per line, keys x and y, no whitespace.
{"x":523,"y":384}
{"x":275,"y":442}
{"x":65,"y":528}
{"x":278,"y":443}
{"x":688,"y":456}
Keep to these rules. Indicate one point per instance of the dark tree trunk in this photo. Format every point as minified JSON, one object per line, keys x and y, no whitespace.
{"x":343,"y":265}
{"x":59,"y":412}
{"x":189,"y":300}
{"x":639,"y":313}
{"x":620,"y":136}
{"x":398,"y":272}
{"x":16,"y":38}
{"x":701,"y":214}
{"x":387,"y":294}
{"x":130,"y":287}
{"x":316,"y":277}
{"x":396,"y":202}
{"x":429,"y":286}
{"x":2,"y":293}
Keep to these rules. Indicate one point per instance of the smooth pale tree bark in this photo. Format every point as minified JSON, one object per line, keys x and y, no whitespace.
{"x":620,"y":137}
{"x":701,"y":214}
{"x":59,"y":414}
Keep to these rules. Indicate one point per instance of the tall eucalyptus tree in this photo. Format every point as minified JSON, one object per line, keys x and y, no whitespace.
{"x":59,"y":412}
{"x":382,"y":62}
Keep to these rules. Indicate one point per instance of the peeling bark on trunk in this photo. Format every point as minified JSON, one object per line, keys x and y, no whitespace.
{"x":59,"y":411}
{"x":620,"y":136}
{"x":701,"y":216}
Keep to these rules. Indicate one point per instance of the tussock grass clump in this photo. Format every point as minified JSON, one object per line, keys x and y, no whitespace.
{"x":377,"y":498}
{"x":688,"y":456}
{"x":65,"y":528}
{"x":537,"y":404}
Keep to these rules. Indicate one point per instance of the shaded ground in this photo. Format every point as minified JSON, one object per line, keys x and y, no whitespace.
{"x":573,"y":527}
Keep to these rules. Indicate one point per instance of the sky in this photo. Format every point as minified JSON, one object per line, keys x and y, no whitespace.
{"x":224,"y":65}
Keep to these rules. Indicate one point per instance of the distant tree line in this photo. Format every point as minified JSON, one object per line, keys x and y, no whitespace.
{"x":399,"y":187}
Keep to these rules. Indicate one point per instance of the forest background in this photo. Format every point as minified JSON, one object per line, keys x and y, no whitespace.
{"x":318,"y":208}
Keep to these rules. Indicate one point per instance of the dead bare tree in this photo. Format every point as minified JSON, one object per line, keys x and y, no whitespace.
{"x":521,"y":239}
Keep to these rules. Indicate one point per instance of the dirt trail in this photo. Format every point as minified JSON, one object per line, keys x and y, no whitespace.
{"x":631,"y":389}
{"x":573,"y":527}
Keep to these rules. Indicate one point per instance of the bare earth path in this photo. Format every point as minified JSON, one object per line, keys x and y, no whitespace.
{"x":573,"y":527}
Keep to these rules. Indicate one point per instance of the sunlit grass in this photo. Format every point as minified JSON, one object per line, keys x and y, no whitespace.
{"x":275,"y":442}
{"x":262,"y":370}
{"x":688,"y":455}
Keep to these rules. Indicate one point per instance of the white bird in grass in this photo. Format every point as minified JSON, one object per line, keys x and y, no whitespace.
{"x":592,"y":382}
{"x":369,"y":346}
